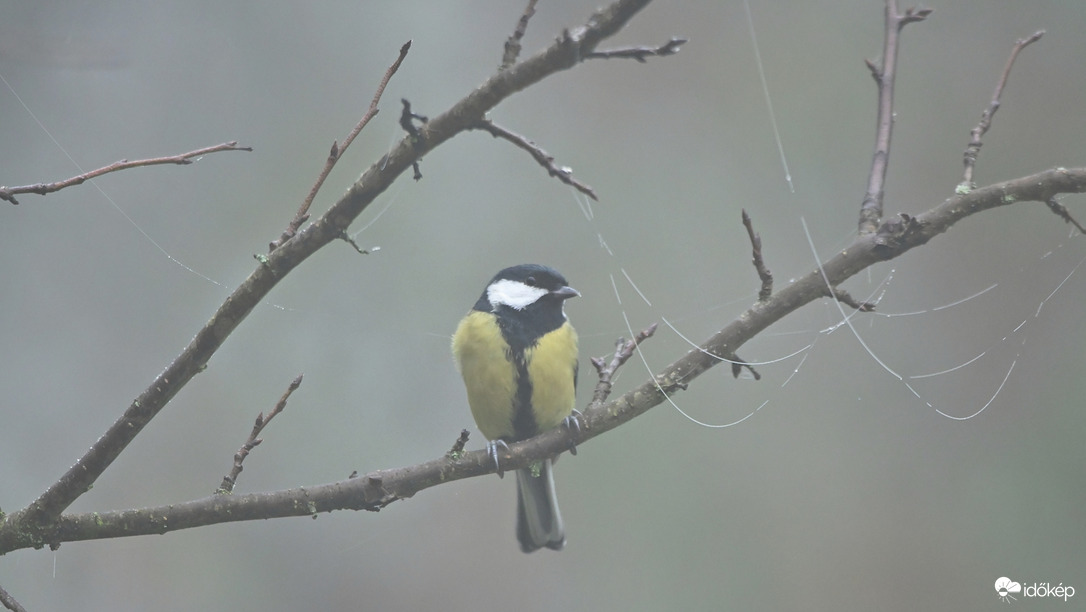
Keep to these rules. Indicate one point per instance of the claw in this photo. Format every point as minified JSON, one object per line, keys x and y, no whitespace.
{"x":572,"y":423}
{"x":492,"y":451}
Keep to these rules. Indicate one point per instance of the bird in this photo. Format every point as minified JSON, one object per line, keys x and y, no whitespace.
{"x":517,"y":354}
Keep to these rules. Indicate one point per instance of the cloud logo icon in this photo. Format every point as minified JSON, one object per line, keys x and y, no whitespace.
{"x":1005,"y":587}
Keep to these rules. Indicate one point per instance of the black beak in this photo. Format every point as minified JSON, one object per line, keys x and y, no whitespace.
{"x":565,"y":293}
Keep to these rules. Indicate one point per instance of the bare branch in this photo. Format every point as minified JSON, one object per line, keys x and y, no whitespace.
{"x":640,"y":54}
{"x":9,"y":193}
{"x":40,"y":516}
{"x":624,"y":349}
{"x":42,"y":523}
{"x":337,"y":151}
{"x":512,"y":44}
{"x":885,"y":75}
{"x":973,"y":149}
{"x":377,"y":489}
{"x":564,"y":173}
{"x":1061,"y":211}
{"x":254,"y":440}
{"x":759,"y":265}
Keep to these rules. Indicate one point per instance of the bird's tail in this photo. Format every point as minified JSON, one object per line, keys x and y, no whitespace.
{"x":539,"y":522}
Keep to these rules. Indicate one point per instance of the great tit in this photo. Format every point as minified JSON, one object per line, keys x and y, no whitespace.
{"x":517,"y":354}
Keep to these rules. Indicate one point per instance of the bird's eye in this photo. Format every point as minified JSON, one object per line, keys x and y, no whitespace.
{"x":530,"y":281}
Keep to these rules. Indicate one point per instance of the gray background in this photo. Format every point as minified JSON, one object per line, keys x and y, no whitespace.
{"x":845,"y":492}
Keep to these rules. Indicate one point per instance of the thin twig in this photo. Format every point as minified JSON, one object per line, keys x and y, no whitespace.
{"x":640,"y":54}
{"x":254,"y":440}
{"x":337,"y":151}
{"x":846,"y":298}
{"x":1063,"y":213}
{"x":885,"y":75}
{"x":347,"y":238}
{"x":605,"y":371}
{"x":973,"y":149}
{"x":759,"y":265}
{"x":564,"y":173}
{"x":738,"y":365}
{"x":408,"y":119}
{"x":458,"y":447}
{"x":407,"y":122}
{"x":512,"y":44}
{"x":9,"y":193}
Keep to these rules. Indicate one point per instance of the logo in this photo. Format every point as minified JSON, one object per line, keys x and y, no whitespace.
{"x":1006,"y":589}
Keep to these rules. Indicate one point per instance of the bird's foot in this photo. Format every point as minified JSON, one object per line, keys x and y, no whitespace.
{"x":572,"y":423}
{"x":492,"y":450}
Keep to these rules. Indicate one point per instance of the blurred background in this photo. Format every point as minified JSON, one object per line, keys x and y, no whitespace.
{"x":844,"y":491}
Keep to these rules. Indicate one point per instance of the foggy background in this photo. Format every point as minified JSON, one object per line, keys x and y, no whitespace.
{"x":844,"y":492}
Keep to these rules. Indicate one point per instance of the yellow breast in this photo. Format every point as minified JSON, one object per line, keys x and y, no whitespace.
{"x":552,"y":364}
{"x":491,"y":378}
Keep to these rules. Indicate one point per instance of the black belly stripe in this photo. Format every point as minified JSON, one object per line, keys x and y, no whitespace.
{"x":524,"y":423}
{"x":521,"y":329}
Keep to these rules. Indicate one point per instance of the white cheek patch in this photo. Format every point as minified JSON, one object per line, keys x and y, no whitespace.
{"x":513,"y":294}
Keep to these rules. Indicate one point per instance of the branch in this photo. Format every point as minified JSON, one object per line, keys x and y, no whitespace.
{"x":891,"y":240}
{"x":457,"y":449}
{"x":337,"y":151}
{"x":764,"y":274}
{"x":1061,"y":211}
{"x":564,"y":174}
{"x":846,"y":298}
{"x":885,"y":75}
{"x":973,"y":150}
{"x":605,"y":372}
{"x":254,"y":440}
{"x":39,"y":517}
{"x":377,"y":489}
{"x":512,"y":44}
{"x":184,"y":159}
{"x":640,"y":54}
